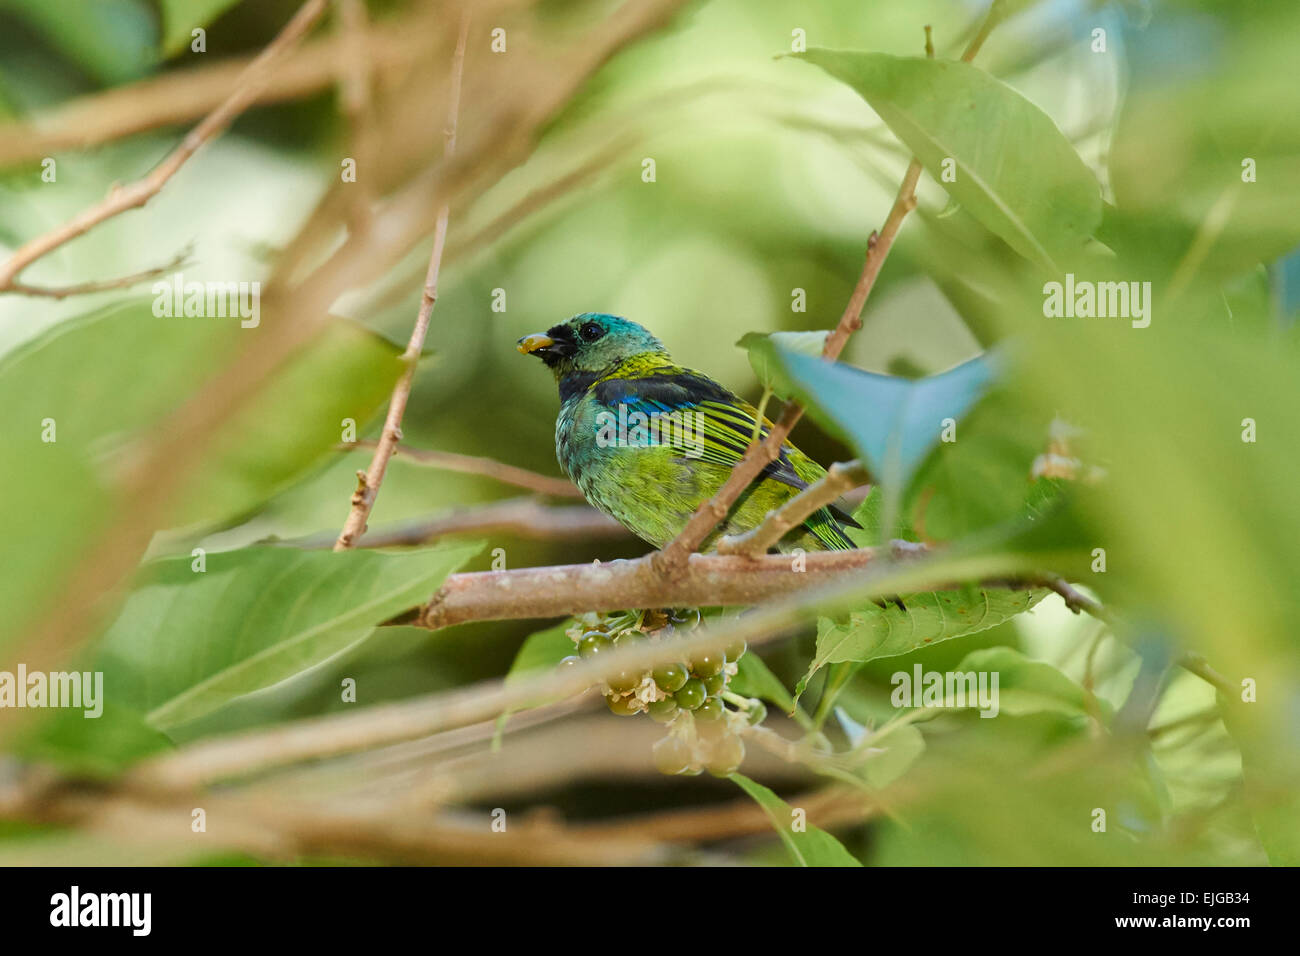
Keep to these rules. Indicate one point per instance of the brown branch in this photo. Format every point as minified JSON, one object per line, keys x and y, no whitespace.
{"x":102,"y":285}
{"x":487,"y":467}
{"x":996,"y":14}
{"x":839,"y":478}
{"x":363,"y":500}
{"x":827,"y":807}
{"x":522,"y":517}
{"x":181,"y":96}
{"x":354,"y":95}
{"x":120,"y":199}
{"x":707,"y":580}
{"x":287,"y":829}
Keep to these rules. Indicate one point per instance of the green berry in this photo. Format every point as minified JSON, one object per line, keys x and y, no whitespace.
{"x":736,"y":651}
{"x":671,"y":677}
{"x":691,"y":694}
{"x":672,"y":756}
{"x":706,"y":665}
{"x":594,"y":643}
{"x":623,"y":706}
{"x":710,"y":710}
{"x":570,"y":660}
{"x":690,"y":616}
{"x":727,"y":756}
{"x":757,"y":712}
{"x":662,"y":711}
{"x":624,"y":680}
{"x":716,"y":684}
{"x":629,"y":638}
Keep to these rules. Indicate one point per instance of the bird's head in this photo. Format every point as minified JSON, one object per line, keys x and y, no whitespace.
{"x":590,"y":344}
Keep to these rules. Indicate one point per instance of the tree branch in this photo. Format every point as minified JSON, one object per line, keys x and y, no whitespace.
{"x":354,"y":94}
{"x":180,"y":96}
{"x":363,"y":500}
{"x":487,"y":467}
{"x":120,"y":199}
{"x":839,"y":478}
{"x":522,"y":517}
{"x":707,"y":580}
{"x":102,"y":285}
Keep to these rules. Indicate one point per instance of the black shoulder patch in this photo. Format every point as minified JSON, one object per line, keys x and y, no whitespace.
{"x":670,"y":389}
{"x":575,"y":384}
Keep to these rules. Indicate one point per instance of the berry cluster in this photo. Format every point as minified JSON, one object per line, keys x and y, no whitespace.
{"x":690,"y":697}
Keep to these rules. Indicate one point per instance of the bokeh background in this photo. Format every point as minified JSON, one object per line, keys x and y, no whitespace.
{"x":769,"y":176}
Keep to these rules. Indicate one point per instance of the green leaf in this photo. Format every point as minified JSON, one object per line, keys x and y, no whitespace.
{"x":1028,"y":686}
{"x":292,"y":422}
{"x":180,"y":17}
{"x":540,"y":651}
{"x":892,"y":423}
{"x":896,"y":747}
{"x":1015,"y":171}
{"x":754,"y":679}
{"x":53,"y":501}
{"x":809,"y":847}
{"x":187,"y":642}
{"x":111,"y":39}
{"x":97,"y":746}
{"x":58,"y":496}
{"x":762,"y":348}
{"x":979,"y":481}
{"x":101,"y":408}
{"x":925,"y":618}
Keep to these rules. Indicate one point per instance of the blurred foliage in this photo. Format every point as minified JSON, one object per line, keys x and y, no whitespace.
{"x":770,"y":175}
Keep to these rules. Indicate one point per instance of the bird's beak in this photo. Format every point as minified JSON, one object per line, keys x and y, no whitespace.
{"x":534,"y":343}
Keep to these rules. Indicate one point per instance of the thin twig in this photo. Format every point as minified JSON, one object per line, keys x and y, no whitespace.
{"x":122,"y":198}
{"x":1076,"y":600}
{"x":363,"y":500}
{"x":103,"y":285}
{"x":181,"y":96}
{"x":996,"y":14}
{"x":521,"y":517}
{"x":839,"y":478}
{"x":487,"y":467}
{"x":1198,"y":665}
{"x":354,"y":94}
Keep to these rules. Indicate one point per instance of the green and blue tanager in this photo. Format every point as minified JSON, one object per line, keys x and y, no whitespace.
{"x":648,"y":441}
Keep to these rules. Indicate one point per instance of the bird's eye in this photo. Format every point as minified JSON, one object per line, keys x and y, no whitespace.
{"x":591,"y":331}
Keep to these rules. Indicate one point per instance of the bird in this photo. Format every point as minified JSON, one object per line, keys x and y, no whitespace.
{"x":648,"y":441}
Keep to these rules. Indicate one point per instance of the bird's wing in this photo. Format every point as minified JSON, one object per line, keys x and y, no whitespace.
{"x":717,"y":425}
